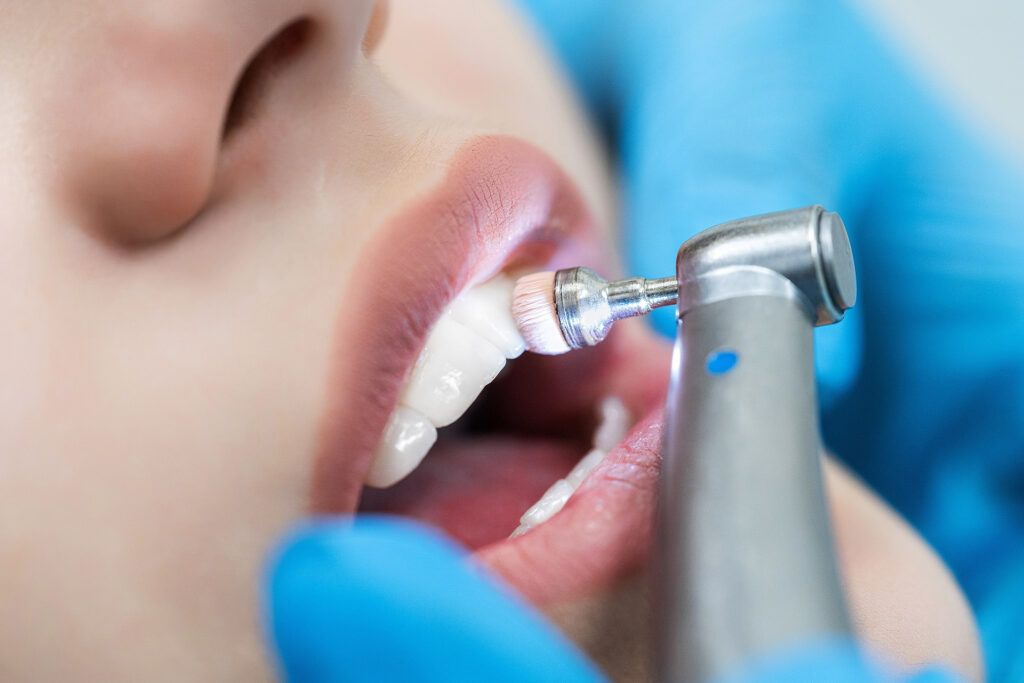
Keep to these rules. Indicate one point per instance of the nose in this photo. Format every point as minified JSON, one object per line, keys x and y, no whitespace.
{"x":152,"y":94}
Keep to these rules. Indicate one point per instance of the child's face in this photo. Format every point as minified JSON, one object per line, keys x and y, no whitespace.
{"x":213,"y":285}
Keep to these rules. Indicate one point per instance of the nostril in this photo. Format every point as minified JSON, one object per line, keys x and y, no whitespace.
{"x":282,"y":48}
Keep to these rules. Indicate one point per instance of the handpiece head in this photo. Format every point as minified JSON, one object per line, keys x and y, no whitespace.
{"x":803,"y":255}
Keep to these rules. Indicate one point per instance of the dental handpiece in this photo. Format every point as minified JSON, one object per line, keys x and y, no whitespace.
{"x":744,"y":562}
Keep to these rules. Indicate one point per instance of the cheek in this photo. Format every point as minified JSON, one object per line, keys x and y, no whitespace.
{"x":903,"y":600}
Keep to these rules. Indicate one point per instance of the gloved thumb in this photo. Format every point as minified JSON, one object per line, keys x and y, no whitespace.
{"x":381,"y":599}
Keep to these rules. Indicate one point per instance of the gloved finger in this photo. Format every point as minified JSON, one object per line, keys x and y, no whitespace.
{"x":383,"y":599}
{"x":738,"y":107}
{"x":834,"y":660}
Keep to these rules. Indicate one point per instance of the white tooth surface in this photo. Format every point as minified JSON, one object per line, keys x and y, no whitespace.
{"x":487,"y":310}
{"x":453,"y":368}
{"x":552,"y":501}
{"x":465,"y":351}
{"x":585,"y":467}
{"x":611,"y":429}
{"x":613,"y":425}
{"x":407,"y":438}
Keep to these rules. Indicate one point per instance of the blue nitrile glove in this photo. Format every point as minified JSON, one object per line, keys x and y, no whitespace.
{"x":387,"y":600}
{"x":726,"y":108}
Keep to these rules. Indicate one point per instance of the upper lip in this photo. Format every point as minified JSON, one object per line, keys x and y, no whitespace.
{"x":503,"y":204}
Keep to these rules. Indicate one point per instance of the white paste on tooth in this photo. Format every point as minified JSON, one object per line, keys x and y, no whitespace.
{"x":487,"y":310}
{"x":614,"y":423}
{"x":453,"y":368}
{"x":407,"y":438}
{"x":612,"y":428}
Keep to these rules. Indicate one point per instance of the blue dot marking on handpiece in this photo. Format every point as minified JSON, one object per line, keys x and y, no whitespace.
{"x":722,"y":361}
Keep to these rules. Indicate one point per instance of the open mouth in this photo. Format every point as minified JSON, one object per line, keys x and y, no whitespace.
{"x":546,"y":468}
{"x":549,"y":477}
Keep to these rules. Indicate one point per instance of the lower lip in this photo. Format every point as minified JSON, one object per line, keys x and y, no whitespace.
{"x":600,"y":537}
{"x":462,"y":232}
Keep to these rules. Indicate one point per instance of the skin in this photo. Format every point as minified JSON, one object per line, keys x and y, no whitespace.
{"x":170,"y":292}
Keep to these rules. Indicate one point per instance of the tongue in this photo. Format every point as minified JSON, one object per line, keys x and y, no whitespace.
{"x":476,"y":488}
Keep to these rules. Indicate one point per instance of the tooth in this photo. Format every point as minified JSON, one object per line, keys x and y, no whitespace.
{"x":453,"y":368}
{"x":552,"y":501}
{"x":465,"y":351}
{"x":614,"y":423}
{"x":407,"y":438}
{"x":555,"y":498}
{"x":487,"y":310}
{"x":585,"y":467}
{"x":611,"y":429}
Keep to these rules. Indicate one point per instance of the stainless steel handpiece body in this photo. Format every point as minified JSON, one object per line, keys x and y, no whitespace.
{"x":745,"y":562}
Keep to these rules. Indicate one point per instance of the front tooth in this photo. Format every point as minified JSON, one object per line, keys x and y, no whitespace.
{"x":407,"y":438}
{"x":487,"y":310}
{"x":553,"y":500}
{"x":453,"y":368}
{"x":613,"y":424}
{"x":464,"y":352}
{"x":584,"y":467}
